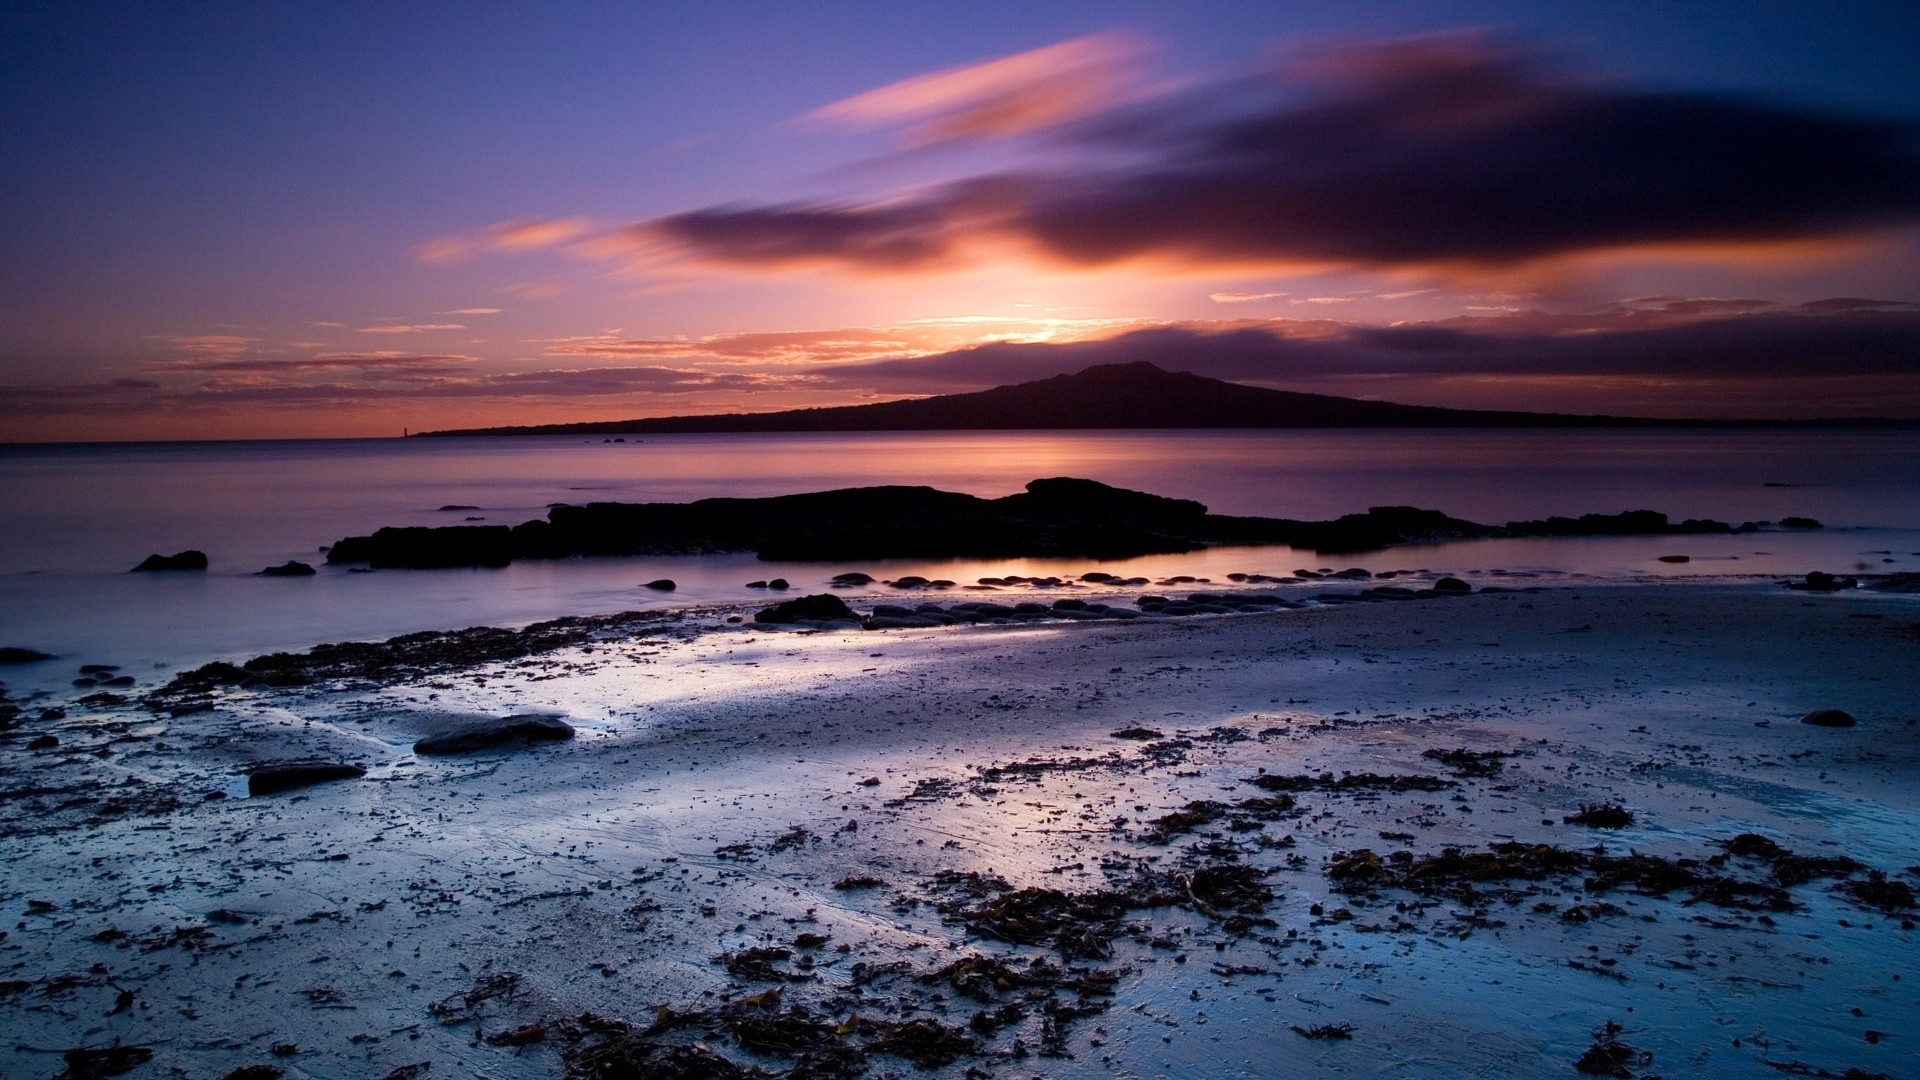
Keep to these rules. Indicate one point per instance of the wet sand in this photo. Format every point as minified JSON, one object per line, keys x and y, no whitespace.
{"x":1140,"y":907}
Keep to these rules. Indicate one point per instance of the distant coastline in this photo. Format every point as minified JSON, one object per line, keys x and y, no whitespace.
{"x":1123,"y":396}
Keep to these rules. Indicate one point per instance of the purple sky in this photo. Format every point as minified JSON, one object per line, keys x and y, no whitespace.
{"x":265,"y":221}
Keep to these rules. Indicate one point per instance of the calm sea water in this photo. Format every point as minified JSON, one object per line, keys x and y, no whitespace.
{"x":75,"y":518}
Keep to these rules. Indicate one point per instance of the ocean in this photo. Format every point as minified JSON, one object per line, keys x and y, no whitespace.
{"x":77,"y":517}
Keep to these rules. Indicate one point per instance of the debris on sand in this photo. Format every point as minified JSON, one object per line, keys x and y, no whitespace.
{"x":1464,"y":762}
{"x":464,"y":1007}
{"x":1608,"y":1056}
{"x":1347,"y":783}
{"x":1324,"y":1031}
{"x":1601,"y":816}
{"x":1881,"y":892}
{"x":88,"y":1063}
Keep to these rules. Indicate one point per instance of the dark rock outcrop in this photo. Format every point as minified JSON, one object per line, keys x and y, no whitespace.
{"x":1828,"y":718}
{"x":184,"y":560}
{"x":14,"y":654}
{"x":662,"y":585}
{"x":817,"y":606}
{"x":1060,"y":517}
{"x":290,"y":775}
{"x":507,"y":733}
{"x":290,"y":568}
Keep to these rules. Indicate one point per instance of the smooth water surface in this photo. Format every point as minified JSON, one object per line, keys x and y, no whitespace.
{"x":77,"y":517}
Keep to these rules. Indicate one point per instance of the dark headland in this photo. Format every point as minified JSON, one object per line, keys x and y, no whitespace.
{"x":1137,"y":395}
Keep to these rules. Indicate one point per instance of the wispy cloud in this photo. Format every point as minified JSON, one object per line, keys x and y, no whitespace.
{"x":409,"y":328}
{"x":1013,"y":95}
{"x":367,"y":362}
{"x":1243,"y":297}
{"x":1647,"y":340}
{"x":517,"y":235}
{"x":473,"y":311}
{"x":206,"y":344}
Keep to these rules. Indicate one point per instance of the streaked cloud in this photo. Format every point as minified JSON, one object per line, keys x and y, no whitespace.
{"x":1013,"y":95}
{"x":473,"y":311}
{"x":1243,"y":297}
{"x":207,"y":344}
{"x":1452,"y":157}
{"x":371,"y":362}
{"x":1647,"y":340}
{"x":517,"y":235}
{"x":409,"y":328}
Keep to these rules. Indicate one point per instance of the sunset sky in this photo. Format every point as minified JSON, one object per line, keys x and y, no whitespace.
{"x":264,"y":220}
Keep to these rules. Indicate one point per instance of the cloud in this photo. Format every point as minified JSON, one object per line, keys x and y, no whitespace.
{"x":1013,"y":95}
{"x":1619,"y":344}
{"x":372,"y":362}
{"x":517,"y":235}
{"x":409,"y":328}
{"x":1243,"y":297}
{"x":207,"y":344}
{"x":792,"y":348}
{"x":1453,"y":154}
{"x":808,"y":346}
{"x":473,"y":311}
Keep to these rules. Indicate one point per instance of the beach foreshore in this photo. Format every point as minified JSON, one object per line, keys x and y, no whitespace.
{"x":1212,"y":846}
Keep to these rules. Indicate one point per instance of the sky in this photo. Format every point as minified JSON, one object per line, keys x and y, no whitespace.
{"x":354,"y":219}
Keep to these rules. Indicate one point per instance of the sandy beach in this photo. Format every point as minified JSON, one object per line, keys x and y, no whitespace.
{"x":1211,"y":846}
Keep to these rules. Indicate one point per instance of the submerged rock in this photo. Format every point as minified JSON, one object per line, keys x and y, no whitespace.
{"x":509,"y":732}
{"x":290,"y":568}
{"x":183,"y":560}
{"x":14,"y":654}
{"x":816,"y":606}
{"x":662,"y":585}
{"x":290,"y":775}
{"x":1452,"y":585}
{"x":1828,"y":718}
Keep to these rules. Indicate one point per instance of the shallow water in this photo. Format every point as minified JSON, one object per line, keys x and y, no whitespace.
{"x":76,"y":517}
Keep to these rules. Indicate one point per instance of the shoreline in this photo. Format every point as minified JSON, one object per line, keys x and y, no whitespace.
{"x":613,"y":873}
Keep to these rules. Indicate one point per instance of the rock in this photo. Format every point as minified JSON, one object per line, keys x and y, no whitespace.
{"x":42,"y":742}
{"x":661,"y":585}
{"x":852,"y":579}
{"x":509,"y":732}
{"x":756,"y":584}
{"x":450,"y":507}
{"x":816,"y":606}
{"x":290,"y":568}
{"x":1828,"y":718}
{"x":14,"y":654}
{"x":1820,"y":581}
{"x":1100,"y":576}
{"x":1069,"y":605}
{"x":185,"y":560}
{"x":1799,"y":523}
{"x":290,"y":775}
{"x":911,"y":581}
{"x":779,"y":584}
{"x":1453,"y":586}
{"x":1676,"y":558}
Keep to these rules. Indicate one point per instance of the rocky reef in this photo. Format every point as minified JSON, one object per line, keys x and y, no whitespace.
{"x":1057,"y":517}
